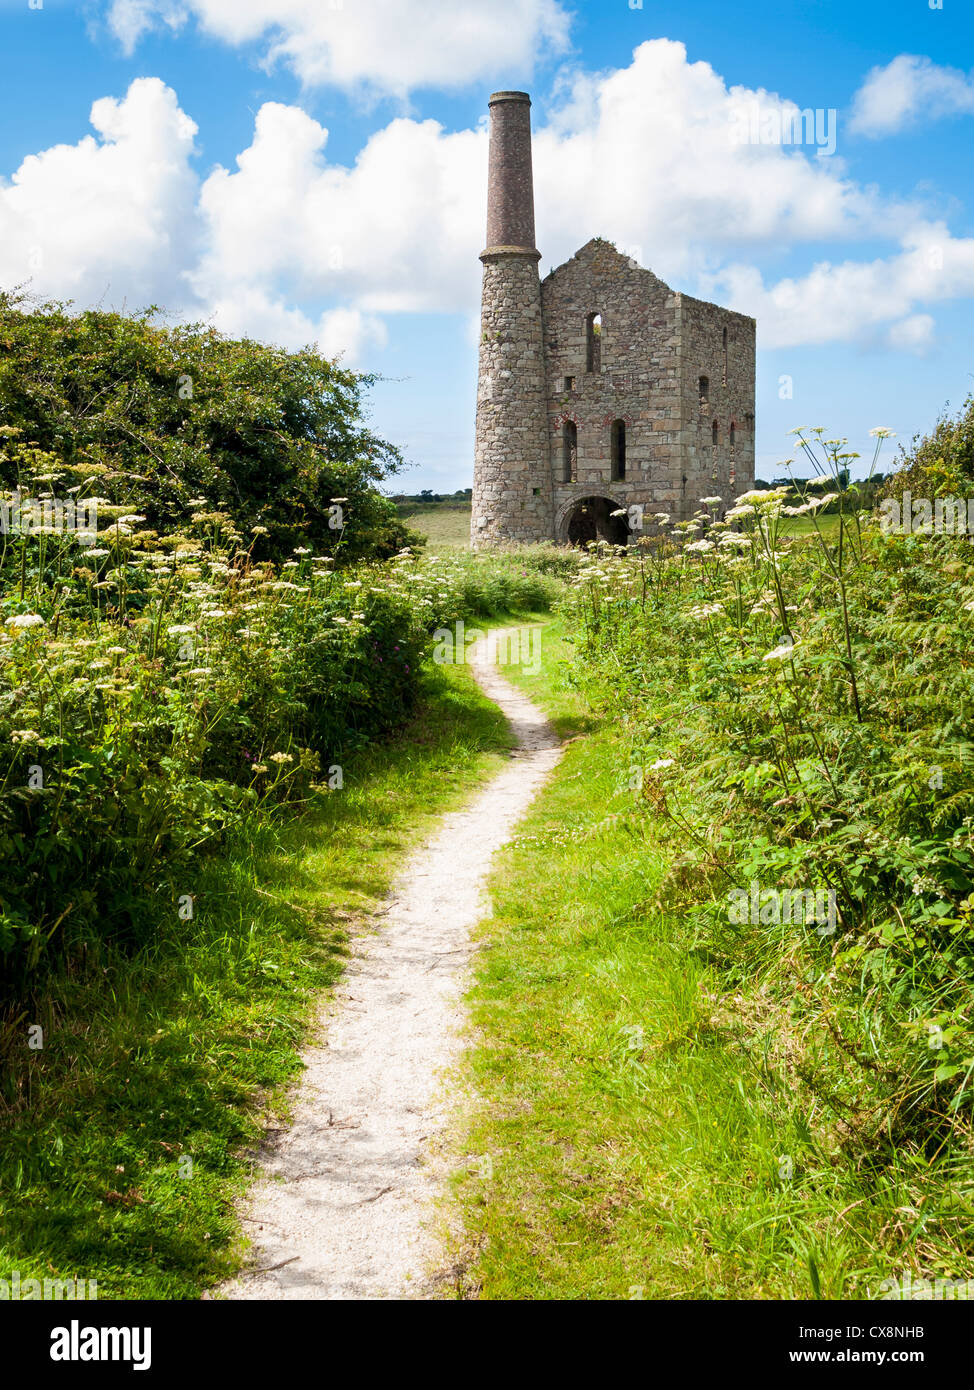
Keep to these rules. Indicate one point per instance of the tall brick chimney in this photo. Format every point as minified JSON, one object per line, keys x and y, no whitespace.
{"x":510,"y":181}
{"x":512,"y":481}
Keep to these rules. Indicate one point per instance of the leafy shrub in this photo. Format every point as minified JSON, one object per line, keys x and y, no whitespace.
{"x":179,"y":422}
{"x":942,"y":463}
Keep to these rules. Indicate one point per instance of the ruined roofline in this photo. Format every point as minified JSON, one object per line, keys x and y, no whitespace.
{"x":585,"y":252}
{"x":712,"y":304}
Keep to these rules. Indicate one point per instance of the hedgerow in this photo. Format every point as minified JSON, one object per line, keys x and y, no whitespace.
{"x":799,"y":711}
{"x":176,"y":422}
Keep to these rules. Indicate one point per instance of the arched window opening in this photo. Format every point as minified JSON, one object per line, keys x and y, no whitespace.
{"x":704,"y":390}
{"x":569,"y":451}
{"x":593,"y":336}
{"x":714,"y":434}
{"x":725,"y":356}
{"x":618,"y":450}
{"x":733,"y":434}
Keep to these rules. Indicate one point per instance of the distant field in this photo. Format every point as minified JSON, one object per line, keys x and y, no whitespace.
{"x":804,"y":526}
{"x":446,"y":524}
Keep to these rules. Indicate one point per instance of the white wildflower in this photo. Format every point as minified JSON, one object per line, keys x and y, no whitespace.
{"x":781,"y":653}
{"x":25,"y":620}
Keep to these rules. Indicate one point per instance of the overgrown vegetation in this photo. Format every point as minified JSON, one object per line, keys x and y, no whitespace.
{"x":154,"y":698}
{"x":797,"y":712}
{"x":125,"y":1138}
{"x":219,"y":729}
{"x":181,"y":422}
{"x":942,"y":463}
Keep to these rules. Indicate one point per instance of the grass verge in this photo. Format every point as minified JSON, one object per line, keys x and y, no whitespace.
{"x":637,"y":1131}
{"x":125,"y":1138}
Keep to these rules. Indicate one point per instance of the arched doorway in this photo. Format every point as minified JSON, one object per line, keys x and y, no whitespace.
{"x":591,"y":519}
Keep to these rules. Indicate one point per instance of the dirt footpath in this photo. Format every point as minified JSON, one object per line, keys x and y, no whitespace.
{"x":345,"y":1208}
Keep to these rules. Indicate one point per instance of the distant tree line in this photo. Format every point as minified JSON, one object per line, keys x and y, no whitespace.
{"x":410,"y":501}
{"x":802,"y":489}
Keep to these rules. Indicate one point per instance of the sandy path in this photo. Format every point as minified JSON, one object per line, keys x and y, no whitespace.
{"x":347,"y":1201}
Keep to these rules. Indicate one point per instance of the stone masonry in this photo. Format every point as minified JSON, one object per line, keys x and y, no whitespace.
{"x":600,"y":388}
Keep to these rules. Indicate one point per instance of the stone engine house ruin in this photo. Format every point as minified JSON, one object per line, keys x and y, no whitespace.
{"x":599,"y":388}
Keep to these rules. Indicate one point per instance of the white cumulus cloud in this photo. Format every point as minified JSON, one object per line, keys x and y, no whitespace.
{"x":651,"y":156}
{"x":341,"y":332}
{"x":386,"y":46}
{"x":913,"y":334}
{"x":908,"y":90}
{"x":294,"y":247}
{"x":397,"y":232}
{"x":112,"y":216}
{"x":646,"y":156}
{"x":855,"y":299}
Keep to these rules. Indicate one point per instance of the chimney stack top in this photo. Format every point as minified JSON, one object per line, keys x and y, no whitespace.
{"x":510,"y":181}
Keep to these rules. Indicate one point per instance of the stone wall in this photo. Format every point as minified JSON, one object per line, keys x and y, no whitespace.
{"x":654,"y":347}
{"x":637,"y":380}
{"x":512,"y":481}
{"x":727,"y":469}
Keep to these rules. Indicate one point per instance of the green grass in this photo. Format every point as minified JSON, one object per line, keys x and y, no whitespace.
{"x":184,"y":1052}
{"x":805,"y":526}
{"x":644,"y":1137}
{"x":445,"y":524}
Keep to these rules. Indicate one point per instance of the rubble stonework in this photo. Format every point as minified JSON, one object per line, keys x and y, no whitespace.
{"x":538,"y":375}
{"x":512,"y":482}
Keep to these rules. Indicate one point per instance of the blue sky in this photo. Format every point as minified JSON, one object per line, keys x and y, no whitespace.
{"x":314,"y":170}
